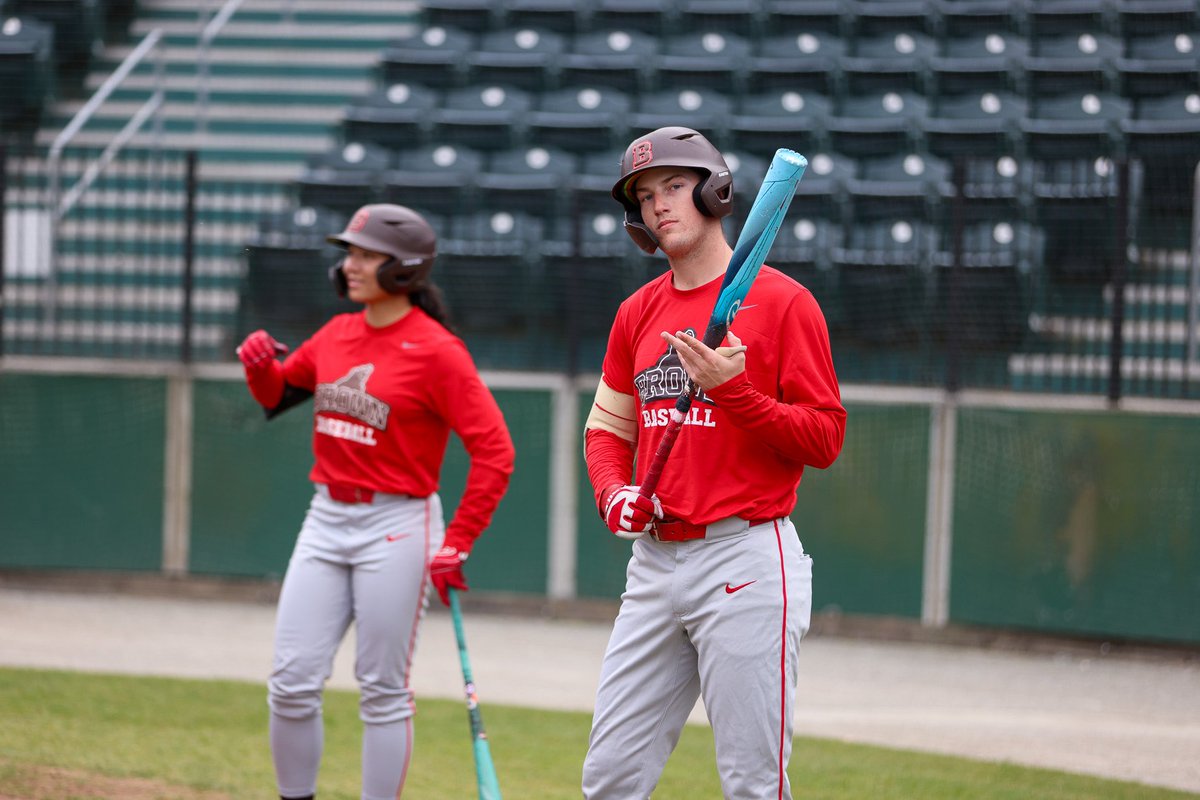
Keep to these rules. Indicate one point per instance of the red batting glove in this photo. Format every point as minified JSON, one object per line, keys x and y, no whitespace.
{"x":264,"y":375}
{"x":627,"y":513}
{"x":258,"y":348}
{"x":445,"y":571}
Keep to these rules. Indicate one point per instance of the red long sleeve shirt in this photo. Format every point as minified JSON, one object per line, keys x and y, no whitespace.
{"x":745,"y":443}
{"x":384,"y":403}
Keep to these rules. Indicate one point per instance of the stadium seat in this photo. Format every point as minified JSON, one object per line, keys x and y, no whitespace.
{"x":1074,"y":62}
{"x":971,"y":18}
{"x":879,"y":123}
{"x":748,"y":170}
{"x":1137,"y":18}
{"x":559,"y":16}
{"x":997,"y":188}
{"x":894,"y":61}
{"x":872,"y":18}
{"x":26,"y":71}
{"x":805,"y":61}
{"x":77,"y":27}
{"x":1074,"y":202}
{"x":440,"y":178}
{"x":823,"y":193}
{"x":767,"y":121}
{"x":533,"y":180}
{"x":911,"y":185}
{"x":1165,"y":128}
{"x":793,"y":17}
{"x":1074,"y":125}
{"x":711,"y":59}
{"x":1049,"y":18}
{"x":978,"y":124}
{"x":587,"y":270}
{"x":522,"y":57}
{"x":654,"y":17}
{"x":476,"y":16}
{"x":803,"y":249}
{"x":434,"y":56}
{"x":739,"y":17}
{"x":484,"y":117}
{"x":984,"y":62}
{"x":483,"y":268}
{"x":1160,"y":64}
{"x":618,"y":59}
{"x":580,"y":120}
{"x":344,"y":178}
{"x":885,"y":280}
{"x":287,"y":288}
{"x":706,"y":111}
{"x":395,"y":116}
{"x":598,"y":171}
{"x":984,"y":306}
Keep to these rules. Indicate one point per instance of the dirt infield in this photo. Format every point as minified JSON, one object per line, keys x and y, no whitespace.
{"x":1128,"y":717}
{"x":49,"y":783}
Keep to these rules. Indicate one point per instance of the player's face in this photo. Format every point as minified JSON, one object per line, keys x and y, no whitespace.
{"x":361,"y":268}
{"x":664,"y":196}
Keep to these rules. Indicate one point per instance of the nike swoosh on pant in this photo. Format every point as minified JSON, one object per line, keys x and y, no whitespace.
{"x":731,"y":589}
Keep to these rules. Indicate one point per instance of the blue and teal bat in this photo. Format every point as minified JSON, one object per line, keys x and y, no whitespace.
{"x":485,"y":771}
{"x":753,"y":244}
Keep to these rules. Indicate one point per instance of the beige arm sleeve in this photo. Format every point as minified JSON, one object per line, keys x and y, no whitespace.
{"x":614,"y":412}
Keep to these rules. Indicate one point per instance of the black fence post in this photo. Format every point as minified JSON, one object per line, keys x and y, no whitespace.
{"x":189,"y":255}
{"x":1118,"y":274}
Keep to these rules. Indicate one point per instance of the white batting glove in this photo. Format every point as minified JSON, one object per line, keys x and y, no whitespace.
{"x":627,"y":513}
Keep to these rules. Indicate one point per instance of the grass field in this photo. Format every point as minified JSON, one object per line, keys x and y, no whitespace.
{"x":74,"y":736}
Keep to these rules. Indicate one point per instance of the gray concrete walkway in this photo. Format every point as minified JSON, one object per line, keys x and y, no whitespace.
{"x":1129,"y":718}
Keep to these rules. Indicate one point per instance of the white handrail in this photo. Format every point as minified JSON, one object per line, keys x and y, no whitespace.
{"x":202,"y":58}
{"x":54,"y":158}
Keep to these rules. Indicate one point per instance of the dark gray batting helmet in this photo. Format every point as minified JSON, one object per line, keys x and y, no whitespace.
{"x":673,"y":147}
{"x":397,"y":232}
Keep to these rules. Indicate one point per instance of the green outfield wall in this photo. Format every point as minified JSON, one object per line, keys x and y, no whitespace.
{"x":1065,"y":519}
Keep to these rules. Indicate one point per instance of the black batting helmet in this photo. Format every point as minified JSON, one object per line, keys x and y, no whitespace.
{"x":673,"y":147}
{"x":397,"y":232}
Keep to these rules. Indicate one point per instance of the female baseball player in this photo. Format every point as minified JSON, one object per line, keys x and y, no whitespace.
{"x":388,"y":385}
{"x":719,"y":589}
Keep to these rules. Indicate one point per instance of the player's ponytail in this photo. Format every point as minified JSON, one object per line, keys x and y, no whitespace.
{"x":429,"y":298}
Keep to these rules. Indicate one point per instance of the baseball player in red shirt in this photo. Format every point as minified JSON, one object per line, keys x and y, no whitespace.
{"x":388,"y":385}
{"x":719,"y":589}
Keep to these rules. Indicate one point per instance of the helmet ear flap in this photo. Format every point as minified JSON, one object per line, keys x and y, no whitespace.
{"x":639,"y":231}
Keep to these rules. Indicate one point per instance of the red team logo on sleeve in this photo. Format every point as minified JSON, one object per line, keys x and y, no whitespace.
{"x":643,"y":152}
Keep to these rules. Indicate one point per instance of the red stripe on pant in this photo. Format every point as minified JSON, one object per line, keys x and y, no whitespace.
{"x":782,"y":662}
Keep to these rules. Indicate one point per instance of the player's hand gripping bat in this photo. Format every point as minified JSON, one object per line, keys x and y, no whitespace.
{"x":753,"y":244}
{"x":485,"y":771}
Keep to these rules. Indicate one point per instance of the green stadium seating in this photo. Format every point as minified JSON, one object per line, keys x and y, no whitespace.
{"x":484,"y":117}
{"x":1165,"y":128}
{"x":344,"y":178}
{"x":983,"y":124}
{"x":739,"y":17}
{"x":805,"y":61}
{"x":483,"y":266}
{"x":1076,"y":62}
{"x":533,"y":180}
{"x":693,"y":107}
{"x":476,"y":16}
{"x":878,"y":123}
{"x":1075,"y":125}
{"x":522,"y":57}
{"x":433,"y":56}
{"x":560,"y":16}
{"x":991,"y":61}
{"x":793,"y":17}
{"x":598,"y":171}
{"x":580,"y":120}
{"x":712,"y":59}
{"x":904,"y":184}
{"x":619,"y":59}
{"x":655,"y":17}
{"x":437,"y":177}
{"x":767,"y":121}
{"x":77,"y":28}
{"x":26,"y":71}
{"x":1162,"y":63}
{"x":893,"y":61}
{"x":869,"y":18}
{"x":971,"y":18}
{"x":394,"y":116}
